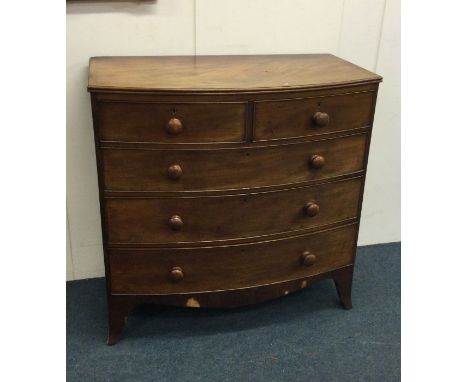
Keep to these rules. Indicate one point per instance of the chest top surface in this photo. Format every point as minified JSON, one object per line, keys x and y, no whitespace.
{"x":223,"y":73}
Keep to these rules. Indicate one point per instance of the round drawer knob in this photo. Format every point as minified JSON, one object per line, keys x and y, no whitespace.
{"x":176,"y":223}
{"x":321,"y":119}
{"x":174,"y":126}
{"x":174,"y":171}
{"x":312,"y":209}
{"x":176,"y":274}
{"x":308,"y":259}
{"x":317,"y":161}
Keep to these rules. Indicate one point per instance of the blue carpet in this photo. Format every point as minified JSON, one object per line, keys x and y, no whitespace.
{"x":305,"y":336}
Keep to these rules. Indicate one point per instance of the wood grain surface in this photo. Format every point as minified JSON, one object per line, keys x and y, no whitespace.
{"x":218,"y":73}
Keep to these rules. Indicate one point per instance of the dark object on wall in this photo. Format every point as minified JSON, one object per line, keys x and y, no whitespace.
{"x":228,"y":180}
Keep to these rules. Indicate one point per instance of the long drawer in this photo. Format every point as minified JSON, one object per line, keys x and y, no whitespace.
{"x":311,"y":116}
{"x":211,"y":218}
{"x":171,"y":122}
{"x":232,"y":168}
{"x":179,"y":270}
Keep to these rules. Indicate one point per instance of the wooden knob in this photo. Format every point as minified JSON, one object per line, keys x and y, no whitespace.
{"x":176,"y":223}
{"x":321,"y":119}
{"x":308,"y":259}
{"x":176,"y":274}
{"x":174,"y":126}
{"x":317,"y":161}
{"x":174,"y":171}
{"x":312,"y":209}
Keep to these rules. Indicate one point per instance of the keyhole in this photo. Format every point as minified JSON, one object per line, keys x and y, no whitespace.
{"x":174,"y":111}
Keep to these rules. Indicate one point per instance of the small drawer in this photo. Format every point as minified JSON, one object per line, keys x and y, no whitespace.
{"x":171,"y":122}
{"x":159,"y":220}
{"x":302,"y":117}
{"x":228,"y":169}
{"x":181,"y":270}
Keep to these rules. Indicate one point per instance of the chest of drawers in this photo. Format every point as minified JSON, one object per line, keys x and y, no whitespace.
{"x":228,"y":180}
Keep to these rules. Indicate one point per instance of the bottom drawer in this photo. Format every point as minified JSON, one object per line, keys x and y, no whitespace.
{"x":182,"y":270}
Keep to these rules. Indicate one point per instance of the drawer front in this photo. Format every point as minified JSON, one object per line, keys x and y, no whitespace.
{"x":311,"y":116}
{"x":224,"y":169}
{"x":153,"y":271}
{"x":171,"y":122}
{"x":212,"y":218}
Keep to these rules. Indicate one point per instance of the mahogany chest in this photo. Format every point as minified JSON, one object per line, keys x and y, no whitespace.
{"x":228,"y":180}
